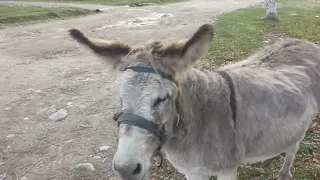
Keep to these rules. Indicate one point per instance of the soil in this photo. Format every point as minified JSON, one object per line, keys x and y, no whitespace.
{"x":57,"y":99}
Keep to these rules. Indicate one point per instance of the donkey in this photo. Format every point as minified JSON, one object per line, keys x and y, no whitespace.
{"x":209,"y":122}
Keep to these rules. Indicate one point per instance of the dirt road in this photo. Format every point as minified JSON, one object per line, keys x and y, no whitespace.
{"x":43,"y":71}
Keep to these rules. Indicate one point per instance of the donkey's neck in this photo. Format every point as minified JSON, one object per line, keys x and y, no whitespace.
{"x":206,"y":123}
{"x":204,"y":99}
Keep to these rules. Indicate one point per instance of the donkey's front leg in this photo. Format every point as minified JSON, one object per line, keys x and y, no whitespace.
{"x":196,"y":177}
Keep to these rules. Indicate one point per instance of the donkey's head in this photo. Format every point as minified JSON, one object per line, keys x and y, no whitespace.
{"x":148,"y":89}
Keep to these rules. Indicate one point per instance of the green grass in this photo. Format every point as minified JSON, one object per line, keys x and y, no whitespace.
{"x":239,"y":34}
{"x":21,"y":15}
{"x":298,"y":3}
{"x":112,"y":2}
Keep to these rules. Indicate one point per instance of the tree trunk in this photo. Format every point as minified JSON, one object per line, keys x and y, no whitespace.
{"x":271,"y":13}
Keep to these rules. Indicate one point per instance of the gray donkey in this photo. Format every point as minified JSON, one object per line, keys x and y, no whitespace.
{"x":209,"y":122}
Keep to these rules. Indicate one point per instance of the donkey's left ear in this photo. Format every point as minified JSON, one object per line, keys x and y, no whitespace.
{"x":180,"y":56}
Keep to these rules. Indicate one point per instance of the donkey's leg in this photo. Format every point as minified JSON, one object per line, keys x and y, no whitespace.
{"x":229,"y":175}
{"x":285,"y":173}
{"x":196,"y":177}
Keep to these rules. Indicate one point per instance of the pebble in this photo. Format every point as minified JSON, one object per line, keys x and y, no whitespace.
{"x":68,"y":141}
{"x":3,"y":176}
{"x":24,"y":178}
{"x":10,"y":136}
{"x":49,"y":110}
{"x":60,"y":115}
{"x":30,"y":89}
{"x":96,"y":157}
{"x":104,"y":148}
{"x":82,"y":106}
{"x":25,"y":119}
{"x":86,"y":166}
{"x":2,"y":163}
{"x":74,"y":98}
{"x":7,"y":108}
{"x":69,"y":104}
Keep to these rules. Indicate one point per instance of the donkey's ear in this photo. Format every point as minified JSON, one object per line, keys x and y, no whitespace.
{"x":180,"y":56}
{"x":112,"y":51}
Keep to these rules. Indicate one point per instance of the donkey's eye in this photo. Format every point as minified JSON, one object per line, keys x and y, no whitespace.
{"x":159,"y":101}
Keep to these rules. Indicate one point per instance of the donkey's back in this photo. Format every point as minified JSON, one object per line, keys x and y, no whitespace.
{"x":290,"y":63}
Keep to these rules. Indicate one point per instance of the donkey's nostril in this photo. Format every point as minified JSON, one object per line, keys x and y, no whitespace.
{"x":137,"y":170}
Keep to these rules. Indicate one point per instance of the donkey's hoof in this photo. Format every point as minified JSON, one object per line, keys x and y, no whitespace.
{"x":283,"y":176}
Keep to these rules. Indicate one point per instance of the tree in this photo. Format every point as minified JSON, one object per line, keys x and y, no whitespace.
{"x":271,"y":13}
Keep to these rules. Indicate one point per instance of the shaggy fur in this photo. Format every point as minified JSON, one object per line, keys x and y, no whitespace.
{"x":277,"y":92}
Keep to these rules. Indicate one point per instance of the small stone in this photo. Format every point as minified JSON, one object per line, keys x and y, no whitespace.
{"x":24,"y":178}
{"x":30,"y":89}
{"x":2,"y":163}
{"x":69,"y":104}
{"x":86,"y":166}
{"x":3,"y":176}
{"x":60,"y":115}
{"x":104,"y":148}
{"x":293,"y":14}
{"x":74,"y":98}
{"x":10,"y":136}
{"x":7,"y":108}
{"x":82,"y":106}
{"x":49,"y":110}
{"x":25,"y":119}
{"x":96,"y":157}
{"x":68,"y":141}
{"x":317,"y":16}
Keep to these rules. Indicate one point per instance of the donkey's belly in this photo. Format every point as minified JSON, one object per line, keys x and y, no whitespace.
{"x":270,"y":141}
{"x":209,"y":164}
{"x":188,"y":167}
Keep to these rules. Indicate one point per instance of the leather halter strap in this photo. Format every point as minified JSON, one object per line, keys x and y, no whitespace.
{"x":135,"y":120}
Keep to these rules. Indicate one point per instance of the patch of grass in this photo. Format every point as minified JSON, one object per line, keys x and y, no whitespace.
{"x":22,"y":15}
{"x":243,"y":32}
{"x":113,"y":2}
{"x":298,"y":3}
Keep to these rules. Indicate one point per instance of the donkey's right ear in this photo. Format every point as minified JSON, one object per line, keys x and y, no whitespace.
{"x":114,"y":52}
